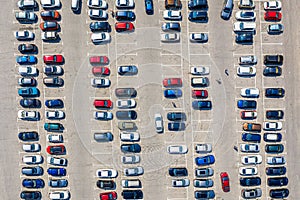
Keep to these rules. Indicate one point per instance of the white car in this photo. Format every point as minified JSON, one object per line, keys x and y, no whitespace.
{"x":135,"y":171}
{"x":272,"y":5}
{"x":249,"y":148}
{"x":130,"y":159}
{"x":250,"y":92}
{"x":272,"y":137}
{"x":27,"y":71}
{"x":203,"y":148}
{"x":172,"y":15}
{"x":248,"y":60}
{"x":245,"y":15}
{"x":57,"y":161}
{"x":49,"y":35}
{"x":55,"y":138}
{"x":200,"y":70}
{"x":251,"y":160}
{"x":129,"y":137}
{"x":169,"y":37}
{"x":106,"y":173}
{"x":33,"y":159}
{"x":277,"y":160}
{"x":125,"y":3}
{"x":25,"y":16}
{"x":100,"y":82}
{"x":50,"y":3}
{"x":28,"y":115}
{"x":246,"y":71}
{"x":181,"y":182}
{"x":177,"y":149}
{"x":103,"y":115}
{"x":272,"y":126}
{"x":248,"y":171}
{"x":247,"y":4}
{"x":100,"y":4}
{"x":244,"y":26}
{"x":59,"y":195}
{"x":27,"y":4}
{"x":98,"y":14}
{"x":100,"y":37}
{"x":248,"y":114}
{"x":127,"y":103}
{"x":198,"y":37}
{"x":159,"y":125}
{"x":57,"y":114}
{"x":31,"y":147}
{"x":24,"y":35}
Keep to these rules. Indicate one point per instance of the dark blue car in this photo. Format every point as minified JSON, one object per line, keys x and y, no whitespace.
{"x":246,"y":104}
{"x":178,"y":171}
{"x":173,"y":93}
{"x":28,"y":136}
{"x":26,"y":60}
{"x":99,"y":26}
{"x":125,"y":15}
{"x":279,"y":193}
{"x":54,"y":171}
{"x":202,"y":105}
{"x":275,"y":92}
{"x":33,"y":183}
{"x":205,"y":160}
{"x":149,"y":7}
{"x":28,"y":92}
{"x":176,"y":126}
{"x":30,"y":195}
{"x":249,"y":137}
{"x":54,"y":103}
{"x":30,"y":103}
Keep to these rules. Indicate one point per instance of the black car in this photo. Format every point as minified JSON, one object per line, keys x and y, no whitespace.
{"x":272,"y":71}
{"x":250,"y":137}
{"x":202,"y":105}
{"x":174,"y":116}
{"x":30,"y":103}
{"x":30,"y":195}
{"x":149,"y":7}
{"x":125,"y":92}
{"x":275,"y":171}
{"x":28,"y":136}
{"x":182,"y":171}
{"x":176,"y":126}
{"x":99,"y":26}
{"x":274,"y":148}
{"x":197,"y":4}
{"x":244,"y":38}
{"x":125,"y":16}
{"x":27,"y":48}
{"x":132,"y":194}
{"x":204,"y":194}
{"x":273,"y":60}
{"x":274,"y":114}
{"x":198,"y":16}
{"x":132,"y":148}
{"x":252,"y":181}
{"x":126,"y":115}
{"x":279,"y":193}
{"x":282,"y":181}
{"x":274,"y":92}
{"x":106,"y":184}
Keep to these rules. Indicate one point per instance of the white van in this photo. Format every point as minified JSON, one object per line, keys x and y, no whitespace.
{"x":75,"y":5}
{"x":244,"y":26}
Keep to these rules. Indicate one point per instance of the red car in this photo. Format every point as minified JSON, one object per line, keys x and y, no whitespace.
{"x":225,"y":181}
{"x":172,"y":82}
{"x":50,"y":15}
{"x":108,"y":196}
{"x":53,"y":59}
{"x":49,"y":26}
{"x":56,"y":150}
{"x":102,"y":103}
{"x":273,"y":16}
{"x":199,"y":94}
{"x":124,"y":26}
{"x":101,"y":60}
{"x":101,"y":71}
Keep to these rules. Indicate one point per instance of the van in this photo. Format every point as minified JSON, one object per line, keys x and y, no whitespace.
{"x":134,"y":183}
{"x":173,"y":4}
{"x":103,"y":137}
{"x":200,"y":82}
{"x":75,"y":5}
{"x":126,"y":125}
{"x":244,"y":26}
{"x":227,"y":9}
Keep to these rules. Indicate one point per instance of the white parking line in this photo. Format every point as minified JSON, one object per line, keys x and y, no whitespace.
{"x":275,"y":43}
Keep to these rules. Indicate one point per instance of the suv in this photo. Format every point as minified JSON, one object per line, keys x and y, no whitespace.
{"x":197,"y":4}
{"x":126,"y":115}
{"x":200,"y":82}
{"x":132,"y":194}
{"x":126,"y":125}
{"x":198,"y":16}
{"x":273,"y":59}
{"x":125,"y":16}
{"x":125,"y":92}
{"x":173,"y":4}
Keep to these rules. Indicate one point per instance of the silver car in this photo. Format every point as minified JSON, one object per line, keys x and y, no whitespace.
{"x":200,"y":70}
{"x":203,"y":148}
{"x":130,"y":159}
{"x":249,"y":148}
{"x":180,"y":183}
{"x":251,"y":193}
{"x":135,"y":171}
{"x":177,"y":149}
{"x":204,"y":172}
{"x":248,"y":60}
{"x":198,"y":37}
{"x":159,"y":123}
{"x":203,"y":183}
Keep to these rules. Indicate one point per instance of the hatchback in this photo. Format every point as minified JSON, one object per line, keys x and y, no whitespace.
{"x":178,"y":171}
{"x":205,"y":160}
{"x":272,"y":16}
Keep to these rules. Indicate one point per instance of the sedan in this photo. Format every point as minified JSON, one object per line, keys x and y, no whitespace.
{"x":98,"y":14}
{"x":130,"y":159}
{"x":200,"y":70}
{"x":127,"y":103}
{"x":54,"y":103}
{"x":49,"y":26}
{"x":103,"y":103}
{"x":202,"y":105}
{"x":246,"y":71}
{"x":198,"y":37}
{"x":272,"y":126}
{"x":100,"y":37}
{"x":135,"y":171}
{"x":100,"y":82}
{"x":108,"y":195}
{"x":172,"y":15}
{"x":249,"y":148}
{"x":32,"y":159}
{"x":28,"y":115}
{"x":99,"y":26}
{"x":53,"y":70}
{"x":124,"y":26}
{"x":56,"y":150}
{"x":274,"y":148}
{"x":129,"y":137}
{"x":248,"y":171}
{"x":249,"y":137}
{"x":199,"y":94}
{"x":149,"y":7}
{"x":55,"y":171}
{"x":50,"y":4}
{"x":127,"y":70}
{"x":106,"y":173}
{"x":30,"y":103}
{"x":55,"y":115}
{"x":27,"y":82}
{"x":173,"y":93}
{"x":176,"y":126}
{"x":282,"y":181}
{"x":177,"y":149}
{"x":28,"y":71}
{"x":171,"y":26}
{"x":252,"y":127}
{"x":180,"y":171}
{"x":203,"y":148}
{"x":252,"y":181}
{"x":204,"y":194}
{"x":53,"y":81}
{"x":248,"y":114}
{"x":53,"y":59}
{"x":103,"y":115}
{"x":246,"y":104}
{"x":279,"y":193}
{"x":50,"y":15}
{"x":126,"y":115}
{"x":172,"y":82}
{"x":52,"y":138}
{"x":248,"y":60}
{"x":32,"y":171}
{"x":181,"y":182}
{"x":175,"y":116}
{"x":125,"y":15}
{"x":28,"y":136}
{"x":27,"y":48}
{"x":98,"y":4}
{"x":203,"y":183}
{"x":205,"y":160}
{"x":272,"y":71}
{"x":128,"y":4}
{"x":33,"y":183}
{"x":28,"y":92}
{"x":22,"y":60}
{"x":59,"y":195}
{"x":31,"y":147}
{"x":250,"y":92}
{"x":24,"y":35}
{"x":225,"y":181}
{"x":274,"y":92}
{"x":27,"y":4}
{"x":58,"y":183}
{"x":272,"y":5}
{"x":245,"y":15}
{"x":99,"y":60}
{"x":130,"y":148}
{"x":272,"y":16}
{"x":106,"y":184}
{"x":251,"y":160}
{"x":169,"y":37}
{"x":30,"y":195}
{"x":57,"y":161}
{"x":275,"y":28}
{"x":49,"y":36}
{"x":274,"y":114}
{"x":275,"y":171}
{"x":101,"y":71}
{"x":251,"y":193}
{"x":272,"y":137}
{"x":244,"y":38}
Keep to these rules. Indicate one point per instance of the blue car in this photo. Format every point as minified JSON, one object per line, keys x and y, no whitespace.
{"x":28,"y":92}
{"x":26,"y":60}
{"x":274,"y":92}
{"x":246,"y":104}
{"x":201,"y":105}
{"x":54,"y":103}
{"x":58,"y":183}
{"x":54,"y":171}
{"x":205,"y":160}
{"x":33,"y":183}
{"x":149,"y":7}
{"x":250,"y":137}
{"x":173,"y":93}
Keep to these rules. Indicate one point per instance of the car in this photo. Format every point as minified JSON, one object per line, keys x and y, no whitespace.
{"x":50,"y":4}
{"x":244,"y":27}
{"x":203,"y":183}
{"x":103,"y":103}
{"x":97,"y":4}
{"x":275,"y":28}
{"x":108,"y":195}
{"x":130,"y":148}
{"x":122,"y":4}
{"x":275,"y":171}
{"x":132,"y":194}
{"x":131,"y":183}
{"x":179,"y":171}
{"x":198,"y":16}
{"x":125,"y":92}
{"x":248,"y":114}
{"x":197,"y":4}
{"x":126,"y":115}
{"x":272,"y":137}
{"x":103,"y":115}
{"x":56,"y":115}
{"x":22,"y":60}
{"x":127,"y":125}
{"x":149,"y":7}
{"x":171,"y":26}
{"x":181,"y":182}
{"x":252,"y":181}
{"x":274,"y":114}
{"x":245,"y":15}
{"x":247,"y":60}
{"x":124,"y":26}
{"x":198,"y":37}
{"x":250,"y":137}
{"x":24,"y":35}
{"x":200,"y":82}
{"x":28,"y":115}
{"x":33,"y":183}
{"x":101,"y":71}
{"x":246,"y":71}
{"x":172,"y":82}
{"x":53,"y":81}
{"x":28,"y":92}
{"x":59,"y":195}
{"x":26,"y":17}
{"x":27,"y":81}
{"x":274,"y":148}
{"x":103,"y":137}
{"x":281,"y":181}
{"x":54,"y":103}
{"x":53,"y":70}
{"x":203,"y":148}
{"x":205,"y":160}
{"x":130,"y":159}
{"x":176,"y":126}
{"x":99,"y":60}
{"x":27,"y":4}
{"x":55,"y":138}
{"x":279,"y":193}
{"x":28,"y":136}
{"x":49,"y":26}
{"x":248,"y":171}
{"x":127,"y":70}
{"x":272,"y":126}
{"x":106,"y":173}
{"x":54,"y":171}
{"x":31,"y":147}
{"x":199,"y":94}
{"x":99,"y":26}
{"x":227,"y":9}
{"x":100,"y":37}
{"x":272,"y":71}
{"x":129,"y":136}
{"x":201,"y":70}
{"x":173,"y":4}
{"x":204,"y":172}
{"x":100,"y":82}
{"x":175,"y":116}
{"x":32,"y":159}
{"x":57,"y":161}
{"x":177,"y":149}
{"x":172,"y":15}
{"x":246,"y":104}
{"x":244,"y":38}
{"x":173,"y":93}
{"x":49,"y":36}
{"x":272,"y":16}
{"x":126,"y":103}
{"x":50,"y":15}
{"x":32,"y":171}
{"x":246,"y":4}
{"x":204,"y":194}
{"x":56,"y":149}
{"x":276,"y":160}
{"x":225,"y":181}
{"x":28,"y":71}
{"x":30,"y":195}
{"x":201,"y":105}
{"x":58,"y":183}
{"x":252,"y":127}
{"x":27,"y":48}
{"x":159,"y":126}
{"x":53,"y":59}
{"x":273,"y":60}
{"x":125,"y":15}
{"x":106,"y":184}
{"x":30,"y":103}
{"x":169,"y":37}
{"x":272,"y":5}
{"x":250,"y":92}
{"x":135,"y":171}
{"x":274,"y":92}
{"x":53,"y":127}
{"x":249,"y":148}
{"x":251,"y":193}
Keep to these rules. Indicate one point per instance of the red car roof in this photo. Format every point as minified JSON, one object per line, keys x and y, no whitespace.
{"x":172,"y":82}
{"x":225,"y":181}
{"x":102,"y":103}
{"x":108,"y":196}
{"x":100,"y":71}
